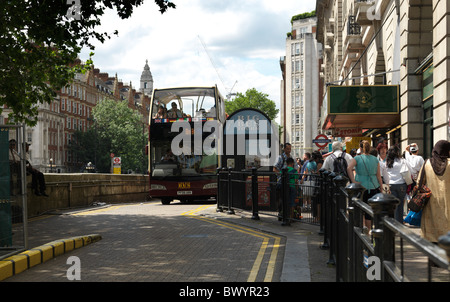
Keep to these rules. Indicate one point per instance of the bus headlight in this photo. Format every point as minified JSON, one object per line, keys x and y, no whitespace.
{"x":157,"y":187}
{"x":212,"y":185}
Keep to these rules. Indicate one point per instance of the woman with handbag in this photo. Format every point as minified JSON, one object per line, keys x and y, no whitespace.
{"x":367,"y":172}
{"x":395,"y":165}
{"x":436,"y":213}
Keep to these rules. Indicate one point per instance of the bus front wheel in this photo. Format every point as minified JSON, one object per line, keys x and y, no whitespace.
{"x":165,"y":201}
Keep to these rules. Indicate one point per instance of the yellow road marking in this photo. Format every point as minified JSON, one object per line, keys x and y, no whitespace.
{"x":88,"y":212}
{"x":272,"y":261}
{"x":266,"y":237}
{"x":39,"y":218}
{"x":258,"y":261}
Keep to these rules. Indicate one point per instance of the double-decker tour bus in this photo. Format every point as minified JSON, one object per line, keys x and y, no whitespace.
{"x":190,"y":175}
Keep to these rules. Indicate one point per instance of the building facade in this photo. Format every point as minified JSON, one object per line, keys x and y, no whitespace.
{"x":403,"y":43}
{"x":300,"y":86}
{"x":72,"y":110}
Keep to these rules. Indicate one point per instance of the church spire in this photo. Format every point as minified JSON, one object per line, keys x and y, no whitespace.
{"x":146,"y":80}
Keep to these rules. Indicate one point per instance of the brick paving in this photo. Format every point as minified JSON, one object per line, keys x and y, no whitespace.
{"x":148,"y":242}
{"x":152,"y":242}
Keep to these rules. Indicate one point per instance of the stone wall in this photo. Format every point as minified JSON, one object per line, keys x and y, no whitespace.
{"x":84,"y":189}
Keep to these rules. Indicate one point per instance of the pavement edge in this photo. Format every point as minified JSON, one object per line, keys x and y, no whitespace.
{"x":18,"y":263}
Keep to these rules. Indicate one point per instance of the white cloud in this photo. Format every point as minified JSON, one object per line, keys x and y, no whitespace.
{"x":244,"y":40}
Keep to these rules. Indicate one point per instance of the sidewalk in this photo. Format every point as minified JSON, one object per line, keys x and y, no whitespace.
{"x":304,"y":260}
{"x":304,"y":256}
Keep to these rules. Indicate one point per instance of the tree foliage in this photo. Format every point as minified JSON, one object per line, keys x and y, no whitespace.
{"x":117,"y":129}
{"x":40,"y":40}
{"x":252,"y":99}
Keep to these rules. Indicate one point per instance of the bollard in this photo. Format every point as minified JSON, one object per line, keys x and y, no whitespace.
{"x":255,"y":215}
{"x":353,"y":191}
{"x":383,"y":205}
{"x":444,"y":243}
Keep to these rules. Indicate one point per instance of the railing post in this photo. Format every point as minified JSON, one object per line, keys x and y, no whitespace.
{"x":332,"y":220}
{"x":325,"y":216}
{"x":321,"y":202}
{"x":340,"y":226}
{"x":219,"y":197}
{"x":285,"y":197}
{"x":353,"y":190}
{"x":230,"y":210}
{"x":255,"y":210}
{"x":383,"y":205}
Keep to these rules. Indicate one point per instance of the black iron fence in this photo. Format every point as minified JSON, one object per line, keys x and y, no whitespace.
{"x":381,"y":252}
{"x":275,"y":195}
{"x":376,"y":253}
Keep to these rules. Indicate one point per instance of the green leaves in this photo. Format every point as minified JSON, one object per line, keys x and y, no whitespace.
{"x":253,"y":99}
{"x":117,"y":129}
{"x":39,"y":45}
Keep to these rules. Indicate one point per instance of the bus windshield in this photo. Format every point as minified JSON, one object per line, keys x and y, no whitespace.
{"x":164,"y":163}
{"x":185,"y":103}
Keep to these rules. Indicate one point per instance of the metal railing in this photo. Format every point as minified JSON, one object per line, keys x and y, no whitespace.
{"x":381,"y":253}
{"x":236,"y":190}
{"x":378,"y":254}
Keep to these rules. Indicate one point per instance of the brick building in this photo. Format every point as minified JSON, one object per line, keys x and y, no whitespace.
{"x":72,"y":110}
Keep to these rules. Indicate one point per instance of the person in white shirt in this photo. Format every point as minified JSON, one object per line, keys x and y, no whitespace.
{"x":414,"y":160}
{"x":336,"y":148}
{"x":397,"y":184}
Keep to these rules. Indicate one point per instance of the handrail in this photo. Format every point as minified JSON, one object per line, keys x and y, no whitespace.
{"x":435,"y":253}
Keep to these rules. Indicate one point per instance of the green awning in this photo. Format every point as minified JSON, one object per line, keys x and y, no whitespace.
{"x":379,"y":99}
{"x":372,"y":106}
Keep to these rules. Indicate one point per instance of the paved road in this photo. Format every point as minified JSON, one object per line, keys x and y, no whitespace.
{"x":153,"y":242}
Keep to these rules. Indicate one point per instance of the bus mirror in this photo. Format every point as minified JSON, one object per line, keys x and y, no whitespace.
{"x":146,"y":150}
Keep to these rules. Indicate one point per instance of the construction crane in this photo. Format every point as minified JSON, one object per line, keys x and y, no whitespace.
{"x":229,"y":94}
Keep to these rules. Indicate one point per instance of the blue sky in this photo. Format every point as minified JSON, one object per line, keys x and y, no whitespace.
{"x":244,"y":38}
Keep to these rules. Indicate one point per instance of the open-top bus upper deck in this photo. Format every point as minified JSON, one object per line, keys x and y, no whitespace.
{"x":188,"y":175}
{"x":188,"y":103}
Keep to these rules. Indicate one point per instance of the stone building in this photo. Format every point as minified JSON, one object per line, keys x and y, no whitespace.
{"x":72,"y":110}
{"x":382,"y":43}
{"x":300,"y":86}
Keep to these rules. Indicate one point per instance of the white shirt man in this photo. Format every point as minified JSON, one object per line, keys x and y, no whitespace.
{"x":337,"y":151}
{"x":415,"y":161}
